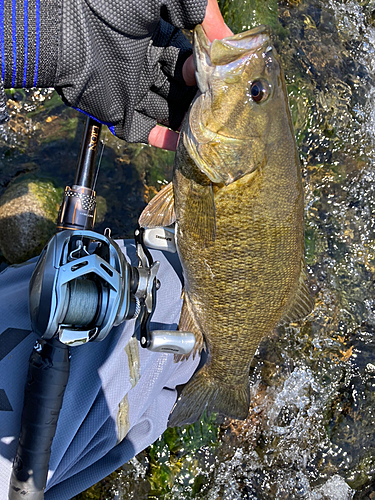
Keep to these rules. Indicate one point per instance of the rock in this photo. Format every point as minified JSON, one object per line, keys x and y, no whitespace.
{"x":28,"y":213}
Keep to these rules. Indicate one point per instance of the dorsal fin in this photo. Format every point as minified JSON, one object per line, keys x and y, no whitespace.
{"x":303,"y":303}
{"x":160,"y":211}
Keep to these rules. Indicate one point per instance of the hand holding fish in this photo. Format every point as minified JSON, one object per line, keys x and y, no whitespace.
{"x":214,"y":27}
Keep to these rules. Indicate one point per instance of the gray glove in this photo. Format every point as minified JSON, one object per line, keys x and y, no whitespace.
{"x":117,"y":60}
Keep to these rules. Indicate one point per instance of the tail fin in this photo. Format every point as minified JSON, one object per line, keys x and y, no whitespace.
{"x":203,"y":391}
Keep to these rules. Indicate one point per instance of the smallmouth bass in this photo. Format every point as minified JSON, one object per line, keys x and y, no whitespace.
{"x":237,"y":201}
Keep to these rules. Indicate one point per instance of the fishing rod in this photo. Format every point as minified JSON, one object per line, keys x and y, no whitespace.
{"x":82,"y":286}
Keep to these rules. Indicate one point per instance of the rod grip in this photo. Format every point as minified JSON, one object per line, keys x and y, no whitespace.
{"x":46,"y":382}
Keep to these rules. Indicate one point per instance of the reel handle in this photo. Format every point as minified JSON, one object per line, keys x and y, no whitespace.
{"x":44,"y":391}
{"x":174,"y":342}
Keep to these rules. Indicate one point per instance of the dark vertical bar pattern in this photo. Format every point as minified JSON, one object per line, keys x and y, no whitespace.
{"x":37,"y":40}
{"x":31,"y":43}
{"x":26,"y":38}
{"x":8,"y":44}
{"x":14,"y":42}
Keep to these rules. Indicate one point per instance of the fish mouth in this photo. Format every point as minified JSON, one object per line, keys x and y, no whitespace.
{"x":208,"y":55}
{"x":217,"y":152}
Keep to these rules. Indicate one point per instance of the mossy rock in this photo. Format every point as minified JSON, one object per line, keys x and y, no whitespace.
{"x":28,"y":212}
{"x":241,"y":16}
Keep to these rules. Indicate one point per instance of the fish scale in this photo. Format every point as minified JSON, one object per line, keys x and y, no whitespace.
{"x":244,"y":276}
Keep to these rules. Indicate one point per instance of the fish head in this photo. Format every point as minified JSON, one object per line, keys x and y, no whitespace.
{"x":241,"y":109}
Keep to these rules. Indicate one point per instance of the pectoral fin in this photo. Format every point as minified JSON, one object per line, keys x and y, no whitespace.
{"x":303,"y":303}
{"x":160,"y":211}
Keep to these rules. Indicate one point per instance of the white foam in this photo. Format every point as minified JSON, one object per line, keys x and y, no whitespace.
{"x":334,"y":489}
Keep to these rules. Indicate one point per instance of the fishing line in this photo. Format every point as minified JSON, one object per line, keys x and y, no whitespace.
{"x":103,"y":141}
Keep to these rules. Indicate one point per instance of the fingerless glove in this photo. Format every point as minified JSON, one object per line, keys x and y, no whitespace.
{"x":117,"y":60}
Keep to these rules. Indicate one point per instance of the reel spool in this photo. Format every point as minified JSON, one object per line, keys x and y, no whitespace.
{"x":80,"y":288}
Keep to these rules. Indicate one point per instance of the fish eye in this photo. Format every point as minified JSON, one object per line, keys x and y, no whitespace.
{"x":259,"y":90}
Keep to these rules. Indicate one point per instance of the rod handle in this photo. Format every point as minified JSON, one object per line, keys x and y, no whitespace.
{"x":44,"y":391}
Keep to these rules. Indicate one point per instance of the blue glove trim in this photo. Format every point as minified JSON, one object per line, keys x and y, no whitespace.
{"x":2,"y":39}
{"x":109,"y":125}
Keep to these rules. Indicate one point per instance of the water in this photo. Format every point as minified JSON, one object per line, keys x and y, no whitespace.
{"x":311,"y":425}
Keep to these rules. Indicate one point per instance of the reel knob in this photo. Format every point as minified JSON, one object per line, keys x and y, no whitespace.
{"x":174,"y":342}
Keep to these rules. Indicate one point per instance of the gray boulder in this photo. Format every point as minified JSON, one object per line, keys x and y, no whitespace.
{"x":28,"y":213}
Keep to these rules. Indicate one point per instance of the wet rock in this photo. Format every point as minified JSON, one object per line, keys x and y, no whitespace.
{"x":28,"y":212}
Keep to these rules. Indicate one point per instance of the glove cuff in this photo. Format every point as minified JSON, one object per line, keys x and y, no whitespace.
{"x":30,"y":42}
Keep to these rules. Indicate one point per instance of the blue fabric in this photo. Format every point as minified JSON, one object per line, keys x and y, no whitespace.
{"x":91,"y":439}
{"x":110,"y":126}
{"x":2,"y":39}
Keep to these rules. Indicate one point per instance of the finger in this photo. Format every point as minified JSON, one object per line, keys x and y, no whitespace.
{"x":188,"y":71}
{"x":162,"y":137}
{"x":213,"y":23}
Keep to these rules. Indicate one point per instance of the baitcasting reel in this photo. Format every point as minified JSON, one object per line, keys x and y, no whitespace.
{"x":83,"y":286}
